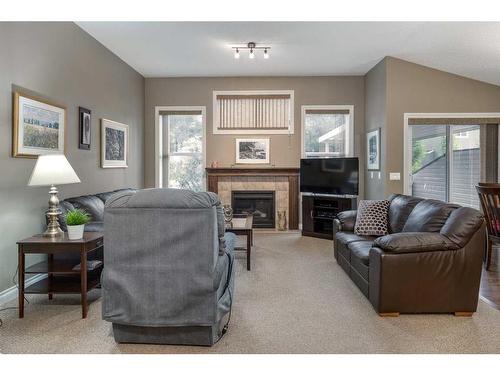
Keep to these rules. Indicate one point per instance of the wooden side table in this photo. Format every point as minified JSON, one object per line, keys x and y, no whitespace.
{"x":241,"y":225}
{"x":62,"y":278}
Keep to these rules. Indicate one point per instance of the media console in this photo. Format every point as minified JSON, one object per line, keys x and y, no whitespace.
{"x":318,"y":212}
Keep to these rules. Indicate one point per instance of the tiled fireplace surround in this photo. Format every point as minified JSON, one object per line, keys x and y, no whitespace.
{"x":277,"y":184}
{"x":284,"y":182}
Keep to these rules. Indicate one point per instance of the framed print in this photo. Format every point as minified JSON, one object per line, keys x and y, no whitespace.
{"x":252,"y":151}
{"x":38,"y":127}
{"x":85,"y":126}
{"x":114,"y":144}
{"x":373,"y":150}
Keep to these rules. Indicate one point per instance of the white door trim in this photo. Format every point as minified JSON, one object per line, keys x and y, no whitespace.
{"x":159,"y":134}
{"x":350,"y":133}
{"x":406,"y":137}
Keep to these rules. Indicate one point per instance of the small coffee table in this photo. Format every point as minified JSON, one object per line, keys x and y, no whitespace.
{"x":241,"y":225}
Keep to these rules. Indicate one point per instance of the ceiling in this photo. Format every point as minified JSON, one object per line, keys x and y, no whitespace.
{"x":179,"y":49}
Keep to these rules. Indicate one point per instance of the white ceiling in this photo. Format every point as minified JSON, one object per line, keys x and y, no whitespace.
{"x":171,"y":49}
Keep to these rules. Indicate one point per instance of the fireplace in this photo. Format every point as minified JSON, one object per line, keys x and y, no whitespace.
{"x":258,"y":203}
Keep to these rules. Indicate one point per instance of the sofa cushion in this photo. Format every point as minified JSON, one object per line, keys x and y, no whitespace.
{"x":371,"y":219}
{"x":347,"y":220}
{"x":91,"y":204}
{"x":429,"y":216}
{"x":409,"y":242}
{"x":361,"y":250}
{"x":400,"y":208}
{"x":105,"y":196}
{"x":164,"y":198}
{"x":348,"y":237}
{"x":94,"y":226}
{"x":169,"y":198}
{"x":462,"y":224}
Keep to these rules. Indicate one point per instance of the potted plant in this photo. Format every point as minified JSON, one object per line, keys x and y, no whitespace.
{"x":75,"y":222}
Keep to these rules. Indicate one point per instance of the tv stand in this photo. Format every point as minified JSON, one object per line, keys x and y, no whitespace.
{"x":319,"y":211}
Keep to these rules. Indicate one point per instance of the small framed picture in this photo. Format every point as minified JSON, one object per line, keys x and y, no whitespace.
{"x":114,"y":144}
{"x":252,"y":151}
{"x":38,"y":127}
{"x":85,"y":128}
{"x":373,"y":150}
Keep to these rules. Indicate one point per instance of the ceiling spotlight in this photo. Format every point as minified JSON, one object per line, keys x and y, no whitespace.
{"x":251,"y":47}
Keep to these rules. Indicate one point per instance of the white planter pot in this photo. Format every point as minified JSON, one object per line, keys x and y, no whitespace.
{"x":75,"y":232}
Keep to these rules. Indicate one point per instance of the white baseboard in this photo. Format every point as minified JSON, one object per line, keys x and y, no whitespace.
{"x":11,"y":293}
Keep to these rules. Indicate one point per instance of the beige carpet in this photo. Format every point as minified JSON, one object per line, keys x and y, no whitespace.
{"x":296,"y":299}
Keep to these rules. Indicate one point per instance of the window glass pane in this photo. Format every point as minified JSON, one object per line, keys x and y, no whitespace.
{"x":325,"y":134}
{"x":185,"y":172}
{"x":182,"y":163}
{"x":465,"y":165}
{"x":446,"y":162}
{"x":185,"y":133}
{"x":429,"y":164}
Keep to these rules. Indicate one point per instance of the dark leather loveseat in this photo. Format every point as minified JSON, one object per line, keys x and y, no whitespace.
{"x":430,"y":262}
{"x":92,"y":204}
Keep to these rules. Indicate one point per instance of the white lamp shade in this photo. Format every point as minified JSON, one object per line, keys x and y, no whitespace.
{"x":52,"y":170}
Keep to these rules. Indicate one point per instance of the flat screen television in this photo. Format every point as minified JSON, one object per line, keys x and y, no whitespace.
{"x":337,"y":176}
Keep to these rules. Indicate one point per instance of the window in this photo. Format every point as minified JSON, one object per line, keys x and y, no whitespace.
{"x":448,"y":160}
{"x":253,"y":112}
{"x":182,"y":163}
{"x":327,"y":131}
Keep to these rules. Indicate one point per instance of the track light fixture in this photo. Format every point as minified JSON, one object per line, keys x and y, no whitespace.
{"x":252,"y":47}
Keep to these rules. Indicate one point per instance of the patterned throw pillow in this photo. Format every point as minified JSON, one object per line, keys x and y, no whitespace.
{"x":371,"y":219}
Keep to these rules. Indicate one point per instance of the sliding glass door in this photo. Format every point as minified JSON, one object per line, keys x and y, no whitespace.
{"x":447,"y":161}
{"x":429,"y":162}
{"x":465,"y":164}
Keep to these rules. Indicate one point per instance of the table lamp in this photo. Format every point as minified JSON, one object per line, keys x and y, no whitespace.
{"x":51,"y":170}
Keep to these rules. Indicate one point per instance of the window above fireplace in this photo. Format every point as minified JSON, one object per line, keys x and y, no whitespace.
{"x":253,"y":112}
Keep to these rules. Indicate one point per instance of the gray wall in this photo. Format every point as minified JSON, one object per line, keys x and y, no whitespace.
{"x":395,"y":87}
{"x":285,"y":150}
{"x":413,"y":88}
{"x":376,"y":117}
{"x":64,"y":64}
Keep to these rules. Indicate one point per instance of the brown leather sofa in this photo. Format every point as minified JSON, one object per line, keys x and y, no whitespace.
{"x":92,"y":204}
{"x":430,"y":262}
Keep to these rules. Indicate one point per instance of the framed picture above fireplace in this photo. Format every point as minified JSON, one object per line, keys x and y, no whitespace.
{"x":252,"y":151}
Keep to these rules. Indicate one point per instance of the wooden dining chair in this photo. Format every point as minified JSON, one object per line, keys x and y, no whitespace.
{"x":489,"y":196}
{"x":490,"y":184}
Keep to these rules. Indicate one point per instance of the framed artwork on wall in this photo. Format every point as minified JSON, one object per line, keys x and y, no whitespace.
{"x":38,"y":127}
{"x":252,"y":151}
{"x":373,"y":150}
{"x":114,"y":144}
{"x":85,"y":125}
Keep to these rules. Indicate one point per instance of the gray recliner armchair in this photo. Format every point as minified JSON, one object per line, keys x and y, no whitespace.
{"x":168,"y":273}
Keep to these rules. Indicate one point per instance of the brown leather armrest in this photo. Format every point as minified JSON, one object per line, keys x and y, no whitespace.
{"x":346,"y":220}
{"x":426,"y":281}
{"x":412,"y":242}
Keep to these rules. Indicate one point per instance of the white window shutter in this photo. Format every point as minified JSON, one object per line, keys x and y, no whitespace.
{"x":239,"y":112}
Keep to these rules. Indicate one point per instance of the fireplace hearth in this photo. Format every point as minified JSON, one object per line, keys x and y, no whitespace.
{"x":261,"y":204}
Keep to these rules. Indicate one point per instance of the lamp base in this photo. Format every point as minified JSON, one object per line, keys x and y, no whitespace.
{"x":54,"y":233}
{"x":53,"y":230}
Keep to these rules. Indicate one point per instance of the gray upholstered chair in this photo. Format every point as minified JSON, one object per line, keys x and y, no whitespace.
{"x":168,"y":273}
